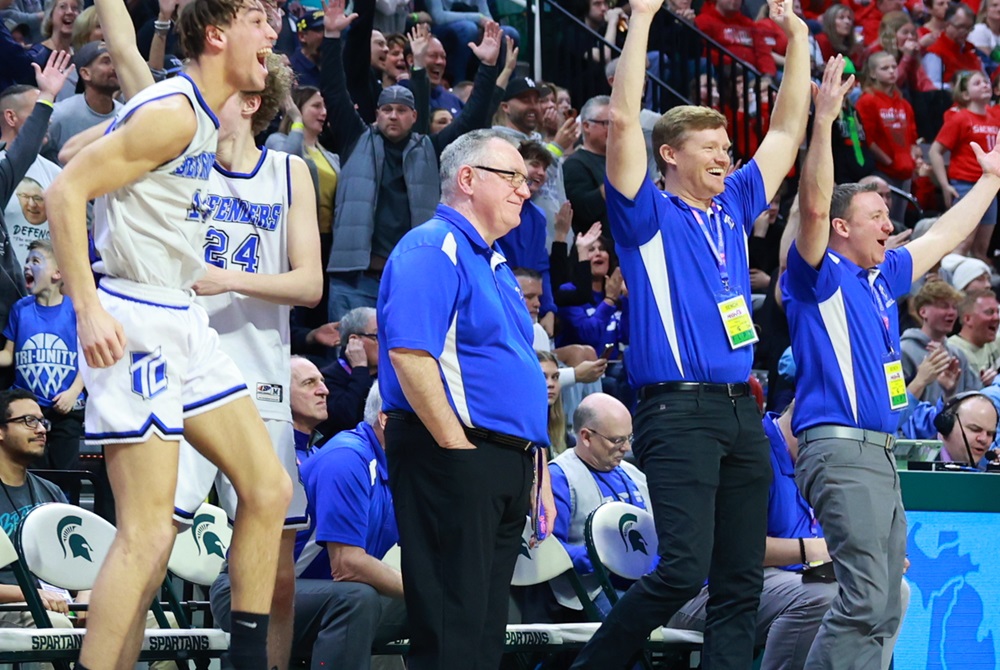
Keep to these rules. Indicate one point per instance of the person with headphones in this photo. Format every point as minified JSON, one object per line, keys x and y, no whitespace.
{"x":967,"y":425}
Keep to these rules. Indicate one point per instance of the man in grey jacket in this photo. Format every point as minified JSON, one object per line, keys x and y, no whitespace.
{"x":389,"y":180}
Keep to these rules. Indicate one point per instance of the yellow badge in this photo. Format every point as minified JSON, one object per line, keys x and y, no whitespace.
{"x":896,"y":385}
{"x":737,"y":322}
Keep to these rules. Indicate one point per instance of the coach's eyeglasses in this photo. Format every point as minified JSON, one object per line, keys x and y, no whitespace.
{"x":31,"y":421}
{"x":370,"y":336}
{"x":512,"y":177}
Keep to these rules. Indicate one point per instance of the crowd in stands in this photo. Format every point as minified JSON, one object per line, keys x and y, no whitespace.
{"x":382,"y":89}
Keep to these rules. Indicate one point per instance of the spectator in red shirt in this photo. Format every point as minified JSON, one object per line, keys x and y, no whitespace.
{"x":890,"y":127}
{"x":723,"y":22}
{"x":869,"y":17}
{"x":838,"y":36}
{"x":898,"y":36}
{"x":814,"y":9}
{"x":742,"y":113}
{"x":972,"y":120}
{"x":952,"y":53}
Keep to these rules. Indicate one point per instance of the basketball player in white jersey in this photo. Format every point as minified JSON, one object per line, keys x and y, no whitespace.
{"x":261,"y":220}
{"x":152,"y":363}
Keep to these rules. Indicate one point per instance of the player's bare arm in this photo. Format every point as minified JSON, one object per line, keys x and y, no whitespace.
{"x":303,"y":284}
{"x":155,"y":134}
{"x":119,"y":33}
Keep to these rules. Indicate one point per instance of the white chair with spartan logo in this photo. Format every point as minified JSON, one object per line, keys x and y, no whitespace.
{"x":621,"y":540}
{"x":538,"y":565}
{"x":197,"y":558}
{"x":64,"y":546}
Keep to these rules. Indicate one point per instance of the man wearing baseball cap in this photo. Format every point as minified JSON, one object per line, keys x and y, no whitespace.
{"x":305,"y":60}
{"x":522,"y":115}
{"x":389,"y":179}
{"x":94,"y":102}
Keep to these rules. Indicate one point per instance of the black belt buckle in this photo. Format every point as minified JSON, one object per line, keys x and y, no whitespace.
{"x":500,"y":439}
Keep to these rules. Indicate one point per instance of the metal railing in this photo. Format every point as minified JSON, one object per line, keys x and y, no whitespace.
{"x":684,"y":63}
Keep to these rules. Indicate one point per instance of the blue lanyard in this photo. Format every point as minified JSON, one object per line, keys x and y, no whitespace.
{"x":718,"y":245}
{"x":883,"y":313}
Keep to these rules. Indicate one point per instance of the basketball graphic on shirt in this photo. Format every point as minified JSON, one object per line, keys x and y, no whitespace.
{"x":46,"y":363}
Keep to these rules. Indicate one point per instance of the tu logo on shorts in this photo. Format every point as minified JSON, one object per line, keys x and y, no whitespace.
{"x":149,"y":373}
{"x":71,"y":541}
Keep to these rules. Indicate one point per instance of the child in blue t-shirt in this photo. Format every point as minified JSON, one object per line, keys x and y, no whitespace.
{"x":42,"y":346}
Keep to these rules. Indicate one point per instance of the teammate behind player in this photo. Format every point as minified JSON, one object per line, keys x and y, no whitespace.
{"x":152,"y":363}
{"x":262,"y":250}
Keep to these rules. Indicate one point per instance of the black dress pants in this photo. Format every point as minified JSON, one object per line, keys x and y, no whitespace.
{"x":707,"y":464}
{"x":460,"y":514}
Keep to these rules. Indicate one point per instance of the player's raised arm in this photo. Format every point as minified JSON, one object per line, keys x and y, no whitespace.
{"x":119,"y":33}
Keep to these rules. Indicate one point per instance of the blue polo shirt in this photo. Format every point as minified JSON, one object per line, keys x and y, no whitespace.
{"x":446,"y":292}
{"x":788,"y":513}
{"x":673,"y":278}
{"x":844,"y":325}
{"x":347,"y":486}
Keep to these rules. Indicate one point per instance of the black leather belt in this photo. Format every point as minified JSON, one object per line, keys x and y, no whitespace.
{"x":491,"y":436}
{"x":730,"y":390}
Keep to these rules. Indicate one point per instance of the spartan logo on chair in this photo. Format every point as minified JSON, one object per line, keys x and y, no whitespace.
{"x":524,"y":550}
{"x":631,"y":537}
{"x":69,"y":537}
{"x":205,"y":537}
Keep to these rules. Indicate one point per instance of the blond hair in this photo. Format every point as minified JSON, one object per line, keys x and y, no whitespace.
{"x":84,"y":25}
